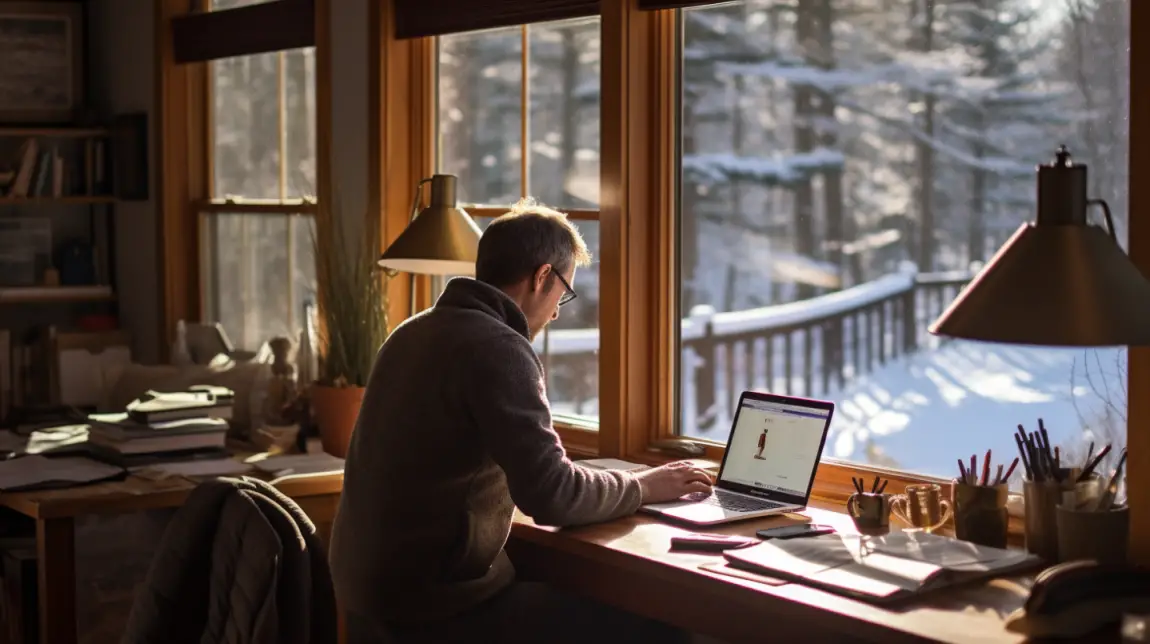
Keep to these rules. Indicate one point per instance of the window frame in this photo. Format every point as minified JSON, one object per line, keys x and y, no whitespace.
{"x":637,"y":315}
{"x":187,"y":176}
{"x":579,"y":437}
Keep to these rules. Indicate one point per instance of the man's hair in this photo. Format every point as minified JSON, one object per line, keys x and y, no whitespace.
{"x":528,"y":236}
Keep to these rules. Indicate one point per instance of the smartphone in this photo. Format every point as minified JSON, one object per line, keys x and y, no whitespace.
{"x":795,"y":531}
{"x":710,"y":542}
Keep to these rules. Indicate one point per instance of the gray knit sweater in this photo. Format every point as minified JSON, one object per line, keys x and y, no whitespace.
{"x":455,"y":431}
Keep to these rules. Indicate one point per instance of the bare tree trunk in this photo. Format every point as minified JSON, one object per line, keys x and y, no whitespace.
{"x":689,"y":219}
{"x":569,"y":124}
{"x":804,"y":143}
{"x":924,"y":151}
{"x":828,"y":138}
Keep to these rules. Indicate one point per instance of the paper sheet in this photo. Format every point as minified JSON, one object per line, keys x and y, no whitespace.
{"x":33,"y":471}
{"x":205,"y":468}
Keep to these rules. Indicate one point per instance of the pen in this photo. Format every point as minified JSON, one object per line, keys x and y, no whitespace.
{"x":882,"y":487}
{"x":985,"y":469}
{"x":962,"y":472}
{"x":874,"y":486}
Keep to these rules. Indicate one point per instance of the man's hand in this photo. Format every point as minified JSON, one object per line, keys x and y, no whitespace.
{"x":673,"y":480}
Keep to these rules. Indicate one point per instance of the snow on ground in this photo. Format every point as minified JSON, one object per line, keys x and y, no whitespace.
{"x":923,"y":412}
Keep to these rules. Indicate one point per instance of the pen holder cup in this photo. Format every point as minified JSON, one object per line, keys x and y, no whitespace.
{"x":1041,"y":499}
{"x":870,"y":513}
{"x":980,"y":513}
{"x":1101,"y":536}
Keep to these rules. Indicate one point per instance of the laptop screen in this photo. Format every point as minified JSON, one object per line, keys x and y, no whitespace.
{"x":775,"y":447}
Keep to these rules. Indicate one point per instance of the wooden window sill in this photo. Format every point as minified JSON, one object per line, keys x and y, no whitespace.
{"x":580,"y":438}
{"x":833,"y":483}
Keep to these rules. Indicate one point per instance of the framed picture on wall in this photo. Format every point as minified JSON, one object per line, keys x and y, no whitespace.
{"x":42,"y":74}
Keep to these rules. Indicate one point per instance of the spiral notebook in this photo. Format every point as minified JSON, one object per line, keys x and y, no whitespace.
{"x":879,"y":569}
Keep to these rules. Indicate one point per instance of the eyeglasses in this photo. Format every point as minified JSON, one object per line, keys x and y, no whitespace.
{"x":570,"y":294}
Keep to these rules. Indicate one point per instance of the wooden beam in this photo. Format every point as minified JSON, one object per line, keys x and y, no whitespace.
{"x":182,"y":134}
{"x":637,"y":286}
{"x":1138,"y":361}
{"x":401,"y":134}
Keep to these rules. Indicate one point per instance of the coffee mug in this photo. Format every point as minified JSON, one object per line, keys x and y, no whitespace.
{"x":922,"y":507}
{"x":870,"y":512}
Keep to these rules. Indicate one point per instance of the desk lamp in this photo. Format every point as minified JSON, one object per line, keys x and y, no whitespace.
{"x":1058,"y":281}
{"x":441,"y":239}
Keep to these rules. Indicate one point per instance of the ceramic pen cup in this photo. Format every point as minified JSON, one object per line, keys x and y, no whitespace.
{"x":1041,"y":499}
{"x":1101,"y":536}
{"x":980,"y":514}
{"x":922,"y":507}
{"x":870,"y":513}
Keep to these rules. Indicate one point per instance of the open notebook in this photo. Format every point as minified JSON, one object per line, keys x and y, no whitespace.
{"x":878,"y":569}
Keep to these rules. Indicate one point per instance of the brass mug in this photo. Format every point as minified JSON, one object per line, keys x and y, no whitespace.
{"x":980,"y":514}
{"x":870,"y":513}
{"x":922,"y":507}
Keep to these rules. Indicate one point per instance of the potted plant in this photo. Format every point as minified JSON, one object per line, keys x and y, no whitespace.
{"x":352,"y":323}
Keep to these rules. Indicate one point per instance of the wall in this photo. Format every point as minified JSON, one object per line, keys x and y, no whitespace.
{"x":349,"y":90}
{"x":122,"y":78}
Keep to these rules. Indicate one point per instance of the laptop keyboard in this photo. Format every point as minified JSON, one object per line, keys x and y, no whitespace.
{"x":733,"y":502}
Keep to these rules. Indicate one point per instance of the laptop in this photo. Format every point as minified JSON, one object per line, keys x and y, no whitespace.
{"x":769,"y":467}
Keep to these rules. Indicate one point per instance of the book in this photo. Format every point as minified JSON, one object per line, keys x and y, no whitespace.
{"x":157,"y":406}
{"x":879,"y":569}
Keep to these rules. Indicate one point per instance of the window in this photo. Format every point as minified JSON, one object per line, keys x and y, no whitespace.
{"x":257,"y":267}
{"x":485,"y":81}
{"x":843,"y":175}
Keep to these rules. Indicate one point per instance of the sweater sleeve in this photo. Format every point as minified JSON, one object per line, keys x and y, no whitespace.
{"x":507,"y":399}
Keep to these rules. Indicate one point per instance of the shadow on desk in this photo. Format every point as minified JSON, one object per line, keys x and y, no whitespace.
{"x":628,"y":563}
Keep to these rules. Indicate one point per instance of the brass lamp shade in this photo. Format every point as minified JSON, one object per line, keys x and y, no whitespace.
{"x":441,"y":239}
{"x":1058,"y":281}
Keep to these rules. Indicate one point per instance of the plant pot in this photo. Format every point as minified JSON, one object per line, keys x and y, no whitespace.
{"x":335,"y":410}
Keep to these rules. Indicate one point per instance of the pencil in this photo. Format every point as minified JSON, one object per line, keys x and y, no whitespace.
{"x":962,"y":472}
{"x":882,"y":487}
{"x":1010,"y":470}
{"x":874,"y":486}
{"x":985,"y":469}
{"x":998,"y":475}
{"x":1022,"y":455}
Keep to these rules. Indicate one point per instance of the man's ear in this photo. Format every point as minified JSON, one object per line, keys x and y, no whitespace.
{"x":540,"y":277}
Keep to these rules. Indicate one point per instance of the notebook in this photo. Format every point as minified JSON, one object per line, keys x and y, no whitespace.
{"x":879,"y":569}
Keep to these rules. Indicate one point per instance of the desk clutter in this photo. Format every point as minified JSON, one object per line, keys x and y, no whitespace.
{"x":1072,"y":511}
{"x":158,"y":435}
{"x":878,"y":569}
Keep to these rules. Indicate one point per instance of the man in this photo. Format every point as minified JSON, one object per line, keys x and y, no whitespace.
{"x":454,"y":431}
{"x":762,"y":444}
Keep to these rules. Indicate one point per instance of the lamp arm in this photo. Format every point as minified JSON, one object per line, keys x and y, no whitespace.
{"x":1106,"y":214}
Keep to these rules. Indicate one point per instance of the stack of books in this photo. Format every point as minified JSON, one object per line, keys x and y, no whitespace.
{"x":164,"y":426}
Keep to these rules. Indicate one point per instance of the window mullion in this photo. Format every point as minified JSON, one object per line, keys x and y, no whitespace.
{"x":524,"y":112}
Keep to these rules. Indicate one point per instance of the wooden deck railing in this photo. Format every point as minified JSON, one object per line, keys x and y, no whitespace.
{"x":806,"y":348}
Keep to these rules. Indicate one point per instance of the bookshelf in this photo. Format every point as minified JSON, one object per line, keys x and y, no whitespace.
{"x":49,"y":176}
{"x":57,"y":255}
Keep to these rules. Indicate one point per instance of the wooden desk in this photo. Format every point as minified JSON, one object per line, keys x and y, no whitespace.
{"x":627,"y":563}
{"x":55,"y":512}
